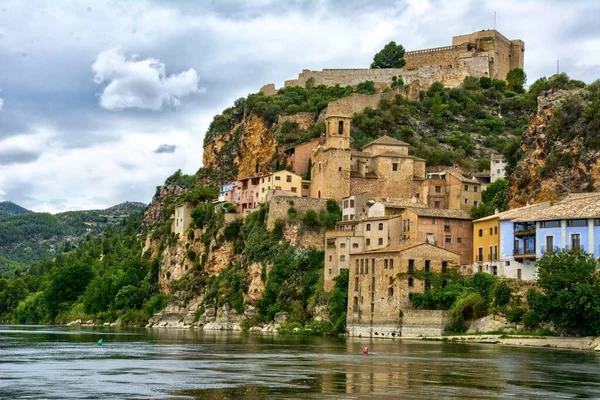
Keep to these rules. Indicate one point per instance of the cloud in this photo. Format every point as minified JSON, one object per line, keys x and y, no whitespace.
{"x":166,"y":148}
{"x":1,"y":103}
{"x":18,"y":157}
{"x":141,"y":84}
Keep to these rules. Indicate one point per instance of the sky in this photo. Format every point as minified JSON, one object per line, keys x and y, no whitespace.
{"x":100,"y":101}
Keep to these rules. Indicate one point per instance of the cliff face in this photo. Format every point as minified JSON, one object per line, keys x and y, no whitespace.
{"x":250,"y":145}
{"x":561,"y":153}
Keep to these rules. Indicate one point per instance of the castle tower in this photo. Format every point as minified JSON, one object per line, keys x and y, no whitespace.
{"x":337,"y":132}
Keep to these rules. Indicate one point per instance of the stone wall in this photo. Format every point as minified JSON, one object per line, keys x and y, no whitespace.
{"x":305,"y":120}
{"x":348,"y":106}
{"x":374,"y":331}
{"x":279,"y":206}
{"x":422,"y":323}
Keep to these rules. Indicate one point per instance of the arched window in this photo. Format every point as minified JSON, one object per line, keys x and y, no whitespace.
{"x":480,"y":232}
{"x":319,"y":194}
{"x":390,"y":292}
{"x":380,"y":241}
{"x":368,"y":242}
{"x":391,"y":280}
{"x":372,"y":265}
{"x":356,"y":269}
{"x":381,"y":226}
{"x":385,"y":264}
{"x":491,"y":232}
{"x":391,"y":263}
{"x":411,"y":282}
{"x":368,"y":227}
{"x":341,"y":128}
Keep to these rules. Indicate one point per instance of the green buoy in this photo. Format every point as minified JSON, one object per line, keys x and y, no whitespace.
{"x":100,"y":342}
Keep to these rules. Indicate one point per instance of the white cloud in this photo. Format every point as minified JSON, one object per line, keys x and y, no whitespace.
{"x":141,"y":84}
{"x":1,"y":103}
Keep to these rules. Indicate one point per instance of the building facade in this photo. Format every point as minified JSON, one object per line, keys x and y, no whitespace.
{"x":450,"y":190}
{"x":381,"y":283}
{"x":281,"y":181}
{"x":181,"y":219}
{"x":497,"y":167}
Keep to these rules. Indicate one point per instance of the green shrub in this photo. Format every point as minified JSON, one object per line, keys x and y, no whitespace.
{"x":310,"y":219}
{"x":502,"y":294}
{"x":531,"y":320}
{"x":515,"y":314}
{"x":468,"y":307}
{"x":292,"y":213}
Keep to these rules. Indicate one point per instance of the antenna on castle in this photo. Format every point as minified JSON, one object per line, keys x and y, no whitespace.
{"x":494,"y":20}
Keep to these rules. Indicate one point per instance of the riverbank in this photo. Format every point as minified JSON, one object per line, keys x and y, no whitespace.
{"x":554,"y":342}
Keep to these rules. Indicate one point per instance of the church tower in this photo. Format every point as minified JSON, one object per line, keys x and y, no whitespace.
{"x":337,"y":132}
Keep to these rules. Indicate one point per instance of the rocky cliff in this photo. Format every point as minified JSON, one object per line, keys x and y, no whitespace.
{"x":561,"y":148}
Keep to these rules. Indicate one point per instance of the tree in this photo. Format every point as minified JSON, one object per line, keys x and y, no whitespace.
{"x":569,"y":295}
{"x":391,"y":56}
{"x":496,"y":195}
{"x":516,"y":78}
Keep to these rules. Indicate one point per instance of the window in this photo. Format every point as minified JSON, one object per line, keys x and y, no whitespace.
{"x":380,"y":241}
{"x":319,"y":194}
{"x":277,"y":178}
{"x":436,"y":204}
{"x":340,"y":169}
{"x":368,"y":242}
{"x":577,"y":222}
{"x":480,"y":254}
{"x":597,"y":222}
{"x":356,"y":268}
{"x":390,"y":292}
{"x":368,"y":227}
{"x":330,"y":258}
{"x":495,"y":230}
{"x":356,"y":288}
{"x":427,"y":265}
{"x":411,"y":266}
{"x":294,"y":189}
{"x":430,"y":238}
{"x":288,"y":178}
{"x":507,"y":264}
{"x":329,"y":271}
{"x":342,"y":245}
{"x":427,"y":285}
{"x":481,"y":233}
{"x":475,"y":203}
{"x":355,"y":245}
{"x":394,"y":167}
{"x":466,"y":188}
{"x":305,"y":186}
{"x":459,"y":240}
{"x":518,"y":274}
{"x":438,"y":189}
{"x":372,"y":287}
{"x":380,"y":226}
{"x":475,"y":189}
{"x":345,"y":203}
{"x":444,"y":266}
{"x":448,"y":239}
{"x":460,"y":223}
{"x":550,"y":224}
{"x":373,"y":266}
{"x":372,"y":307}
{"x":466,"y":201}
{"x":385,"y":264}
{"x":391,"y":263}
{"x":432,"y":221}
{"x":491,"y":231}
{"x":575,"y":241}
{"x":549,"y":244}
{"x":341,"y":128}
{"x":320,"y":167}
{"x":342,"y":258}
{"x":411,"y":282}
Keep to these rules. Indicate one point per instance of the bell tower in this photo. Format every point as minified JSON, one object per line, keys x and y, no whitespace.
{"x":337,"y":132}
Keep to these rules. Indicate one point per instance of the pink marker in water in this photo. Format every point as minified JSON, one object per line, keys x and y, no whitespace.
{"x":366,"y":351}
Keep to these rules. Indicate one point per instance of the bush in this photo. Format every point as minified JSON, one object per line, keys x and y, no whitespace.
{"x":515,"y":314}
{"x":292,"y":213}
{"x":468,"y":307}
{"x":531,"y":320}
{"x":501,"y":294}
{"x":310,"y":219}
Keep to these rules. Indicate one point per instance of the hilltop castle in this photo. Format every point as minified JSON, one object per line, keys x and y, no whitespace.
{"x":485,"y":53}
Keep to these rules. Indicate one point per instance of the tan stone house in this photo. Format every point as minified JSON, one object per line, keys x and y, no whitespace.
{"x":181,"y":219}
{"x":381,"y":284}
{"x":450,"y":189}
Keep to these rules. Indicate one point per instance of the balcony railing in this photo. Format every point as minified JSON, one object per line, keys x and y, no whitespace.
{"x":492,"y":256}
{"x":551,"y":249}
{"x":575,"y":248}
{"x":523,"y":252}
{"x":525,"y":232}
{"x":479,"y":258}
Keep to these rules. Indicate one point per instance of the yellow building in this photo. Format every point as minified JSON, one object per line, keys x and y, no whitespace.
{"x":281,"y":181}
{"x":486,"y":244}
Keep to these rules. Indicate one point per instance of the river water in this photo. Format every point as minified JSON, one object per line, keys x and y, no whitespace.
{"x":41,"y":362}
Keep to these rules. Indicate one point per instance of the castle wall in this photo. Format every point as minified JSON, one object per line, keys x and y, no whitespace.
{"x":279,"y":206}
{"x":444,"y":56}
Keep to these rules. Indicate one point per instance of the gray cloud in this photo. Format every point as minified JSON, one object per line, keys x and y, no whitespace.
{"x":18,"y":157}
{"x":166,"y":148}
{"x":141,"y":84}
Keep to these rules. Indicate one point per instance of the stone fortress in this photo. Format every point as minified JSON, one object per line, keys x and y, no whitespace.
{"x":485,"y":53}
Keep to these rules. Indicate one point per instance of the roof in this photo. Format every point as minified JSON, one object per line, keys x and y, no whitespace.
{"x":396,"y":155}
{"x":385,"y":140}
{"x":440,"y":213}
{"x":515,"y":213}
{"x":574,"y":206}
{"x":399,"y":203}
{"x":403,"y":247}
{"x":356,"y":153}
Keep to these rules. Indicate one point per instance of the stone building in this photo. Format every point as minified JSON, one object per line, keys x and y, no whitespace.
{"x":383,"y":168}
{"x":381,"y":284}
{"x":182,"y":218}
{"x":449,"y":229}
{"x":486,"y":53}
{"x":354,"y":236}
{"x":450,"y":189}
{"x":355,"y":207}
{"x":298,"y":157}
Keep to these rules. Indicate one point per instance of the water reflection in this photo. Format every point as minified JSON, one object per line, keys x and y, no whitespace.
{"x":65,"y":362}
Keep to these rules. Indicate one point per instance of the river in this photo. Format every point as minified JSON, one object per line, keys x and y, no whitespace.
{"x":42,"y":362}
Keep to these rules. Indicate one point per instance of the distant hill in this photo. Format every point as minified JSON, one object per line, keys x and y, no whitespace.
{"x":31,"y":236}
{"x":8,"y":209}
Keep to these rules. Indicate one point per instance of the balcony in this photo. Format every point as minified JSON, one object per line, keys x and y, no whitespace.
{"x":551,"y":249}
{"x":524,"y":253}
{"x":580,"y":248}
{"x":526,"y":229}
{"x":493,"y":257}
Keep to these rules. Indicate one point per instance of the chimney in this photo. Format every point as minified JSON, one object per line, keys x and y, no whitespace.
{"x":496,"y":211}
